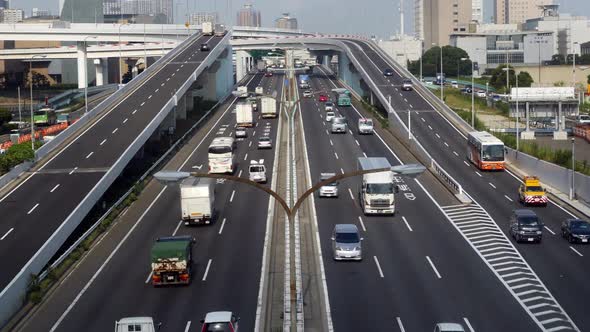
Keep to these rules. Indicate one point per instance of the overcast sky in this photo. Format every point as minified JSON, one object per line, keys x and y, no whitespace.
{"x":381,"y":17}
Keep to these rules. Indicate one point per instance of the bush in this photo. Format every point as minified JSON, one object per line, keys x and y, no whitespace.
{"x":17,"y":154}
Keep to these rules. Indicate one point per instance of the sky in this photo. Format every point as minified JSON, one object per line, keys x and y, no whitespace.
{"x":381,"y":17}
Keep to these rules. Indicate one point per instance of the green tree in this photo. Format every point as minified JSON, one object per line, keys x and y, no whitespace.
{"x":451,"y":62}
{"x":524,"y":79}
{"x":588,"y":79}
{"x":5,"y":116}
{"x":498,"y":77}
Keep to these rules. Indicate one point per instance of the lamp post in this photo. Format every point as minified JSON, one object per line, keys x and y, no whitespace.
{"x":421,"y":55}
{"x":31,"y":107}
{"x":442,"y":80}
{"x":86,"y":78}
{"x":472,"y":93}
{"x":120,"y":56}
{"x":572,"y":189}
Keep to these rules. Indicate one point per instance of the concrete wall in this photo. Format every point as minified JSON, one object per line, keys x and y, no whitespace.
{"x":553,"y":74}
{"x":348,"y":74}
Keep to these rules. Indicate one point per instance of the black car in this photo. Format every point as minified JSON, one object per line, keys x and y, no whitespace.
{"x":204,"y":47}
{"x":525,"y":226}
{"x":576,"y":231}
{"x":388,"y":72}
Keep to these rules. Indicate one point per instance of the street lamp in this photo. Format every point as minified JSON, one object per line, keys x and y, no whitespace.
{"x":31,"y":107}
{"x":86,"y":78}
{"x":442,"y":80}
{"x":472,"y":93}
{"x":120,"y":56}
{"x":572,"y":189}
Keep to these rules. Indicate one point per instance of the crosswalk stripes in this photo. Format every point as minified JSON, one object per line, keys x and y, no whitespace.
{"x":498,"y":252}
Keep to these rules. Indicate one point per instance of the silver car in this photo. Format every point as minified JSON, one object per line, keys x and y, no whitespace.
{"x":331,"y":189}
{"x":241,"y":132}
{"x":329,"y":106}
{"x":264,"y":142}
{"x":346,"y":242}
{"x":448,"y":327}
{"x":330,"y":116}
{"x":339,"y":125}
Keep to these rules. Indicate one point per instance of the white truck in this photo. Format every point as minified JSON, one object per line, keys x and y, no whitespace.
{"x":242,"y":92}
{"x":197,"y":196}
{"x":377,"y":190}
{"x":207,"y":28}
{"x":259,"y":90}
{"x":219,"y":30}
{"x":268,"y":105}
{"x":244,"y":117}
{"x":257,"y":171}
{"x":139,"y":324}
{"x":365,"y":126}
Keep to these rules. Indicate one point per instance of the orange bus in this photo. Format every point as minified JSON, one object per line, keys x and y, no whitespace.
{"x":485,"y":151}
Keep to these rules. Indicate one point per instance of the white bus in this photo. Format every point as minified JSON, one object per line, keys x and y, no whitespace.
{"x":485,"y":151}
{"x":221,"y":155}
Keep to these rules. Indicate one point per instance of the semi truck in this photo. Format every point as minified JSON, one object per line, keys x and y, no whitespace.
{"x":244,"y":117}
{"x":171,"y":259}
{"x":268,"y":106}
{"x":207,"y":28}
{"x":197,"y":196}
{"x":242,"y":92}
{"x":261,"y":65}
{"x":377,"y":190}
{"x":219,"y":30}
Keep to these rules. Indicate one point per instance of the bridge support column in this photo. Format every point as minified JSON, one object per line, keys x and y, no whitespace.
{"x":102,"y":72}
{"x":181,"y":106}
{"x":527,"y":133}
{"x":349,"y":74}
{"x":82,"y":70}
{"x":241,"y":64}
{"x":560,"y":133}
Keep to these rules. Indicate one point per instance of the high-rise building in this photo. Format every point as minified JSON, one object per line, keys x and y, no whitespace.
{"x":37,"y":12}
{"x":419,"y":19}
{"x":518,"y":11}
{"x":286,"y":22}
{"x":11,"y":16}
{"x":477,"y":10}
{"x":248,"y":16}
{"x":440,"y":18}
{"x":126,"y":9}
{"x":81,"y":11}
{"x":199,"y":18}
{"x":5,"y":4}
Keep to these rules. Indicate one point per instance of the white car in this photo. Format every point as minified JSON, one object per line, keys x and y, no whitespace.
{"x":481,"y":94}
{"x":328,"y":190}
{"x":264,"y":142}
{"x":454,"y":84}
{"x":257,"y":171}
{"x":220,"y":321}
{"x":241,"y":132}
{"x":307,"y":94}
{"x":329,"y":106}
{"x":583,"y":119}
{"x":365,"y":126}
{"x":329,"y":116}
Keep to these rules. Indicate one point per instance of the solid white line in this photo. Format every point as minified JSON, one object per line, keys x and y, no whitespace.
{"x":478,"y":174}
{"x":143,"y":103}
{"x":231,"y":199}
{"x":331,"y":143}
{"x":549,"y":230}
{"x":466,"y":163}
{"x":103,"y":141}
{"x":188,"y":326}
{"x":56,"y":186}
{"x":351,"y":195}
{"x":491,"y":184}
{"x":342,"y":170}
{"x":399,"y":323}
{"x":6,"y":234}
{"x":508,"y":198}
{"x":126,"y":119}
{"x":364,"y":154}
{"x":357,"y":142}
{"x":150,"y":97}
{"x":433,"y":267}
{"x":33,"y":208}
{"x":246,"y":156}
{"x":207,"y":270}
{"x":149,"y":277}
{"x":177,"y":227}
{"x":90,"y":154}
{"x":336,"y":155}
{"x":407,"y":224}
{"x":378,"y":266}
{"x":72,"y":171}
{"x":221,"y":228}
{"x":114,"y":131}
{"x":362,"y":223}
{"x":446,"y":144}
{"x":455,"y":153}
{"x":240,"y":174}
{"x":134,"y":111}
{"x":577,"y":252}
{"x":468,"y":324}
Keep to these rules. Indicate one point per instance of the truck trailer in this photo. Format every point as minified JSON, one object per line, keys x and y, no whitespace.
{"x":244,"y":117}
{"x":171,"y":260}
{"x":377,"y":190}
{"x":207,"y":28}
{"x":197,"y":196}
{"x":268,"y":106}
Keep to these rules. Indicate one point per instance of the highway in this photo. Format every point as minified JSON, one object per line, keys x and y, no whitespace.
{"x":561,"y":267}
{"x":227,"y":255}
{"x":414,"y":263}
{"x":38,"y":205}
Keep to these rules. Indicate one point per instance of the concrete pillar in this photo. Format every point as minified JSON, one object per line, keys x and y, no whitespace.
{"x":82,"y":70}
{"x":241,"y":67}
{"x":105,"y":70}
{"x":527,"y":133}
{"x":560,"y":133}
{"x":99,"y":72}
{"x":181,"y":107}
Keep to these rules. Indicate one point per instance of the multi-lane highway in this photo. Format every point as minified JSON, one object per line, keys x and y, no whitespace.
{"x":227,"y":255}
{"x":34,"y":209}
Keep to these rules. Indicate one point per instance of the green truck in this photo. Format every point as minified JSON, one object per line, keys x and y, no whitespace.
{"x":343,"y":96}
{"x":171,"y":259}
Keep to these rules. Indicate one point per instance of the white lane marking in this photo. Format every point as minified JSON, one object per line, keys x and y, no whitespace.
{"x":350,"y":131}
{"x":207,"y":270}
{"x":410,"y":105}
{"x":72,"y":171}
{"x":327,"y":132}
{"x":177,"y":70}
{"x":331,"y":143}
{"x":492,"y":185}
{"x":508,"y":198}
{"x":246,"y":156}
{"x":150,"y":97}
{"x":231,"y":199}
{"x":351,"y":195}
{"x":89,"y":283}
{"x":163,"y":84}
{"x":364,"y":154}
{"x":240,"y":174}
{"x":114,"y":131}
{"x":423,"y":119}
{"x":447,"y":145}
{"x":254,"y":133}
{"x":549,"y":230}
{"x":357,"y":142}
{"x":429,"y":127}
{"x":250,"y":144}
{"x":478,"y":174}
{"x":177,"y":227}
{"x":468,"y":324}
{"x":54,"y":188}
{"x":172,"y":74}
{"x":455,"y":153}
{"x":168,"y":79}
{"x":149,"y":277}
{"x":143,"y":103}
{"x":222,"y":225}
{"x":577,"y":252}
{"x":156,"y":91}
{"x":437,"y":135}
{"x":103,"y":141}
{"x":90,"y":154}
{"x":188,"y":326}
{"x":342,"y":170}
{"x":335,"y":154}
{"x":466,"y":163}
{"x":378,"y":266}
{"x":362,"y":223}
{"x":126,"y":119}
{"x":6,"y":234}
{"x":407,"y":224}
{"x":33,"y":208}
{"x":399,"y":323}
{"x":433,"y":267}
{"x":134,"y":111}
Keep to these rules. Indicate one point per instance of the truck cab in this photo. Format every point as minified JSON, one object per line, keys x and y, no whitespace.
{"x":377,"y":190}
{"x":172,"y":260}
{"x":531,"y":192}
{"x":257,"y":171}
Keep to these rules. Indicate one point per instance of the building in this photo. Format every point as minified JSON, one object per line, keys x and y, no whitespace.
{"x":518,"y":11}
{"x":248,"y":17}
{"x":199,"y":18}
{"x":5,"y":4}
{"x":419,"y":19}
{"x":402,"y":49}
{"x":440,"y":18}
{"x":81,"y":11}
{"x":585,"y":48}
{"x":138,"y":11}
{"x":36,"y":12}
{"x":286,"y":22}
{"x":11,"y":16}
{"x":477,"y":11}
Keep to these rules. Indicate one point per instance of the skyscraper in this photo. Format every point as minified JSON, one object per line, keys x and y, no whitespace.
{"x":477,"y":10}
{"x":81,"y":11}
{"x":440,"y":18}
{"x":131,"y":8}
{"x":248,"y":16}
{"x":5,"y":4}
{"x":286,"y":22}
{"x":518,"y":11}
{"x":199,"y":17}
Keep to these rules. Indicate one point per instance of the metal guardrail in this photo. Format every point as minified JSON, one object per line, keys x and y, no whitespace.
{"x":446,"y":176}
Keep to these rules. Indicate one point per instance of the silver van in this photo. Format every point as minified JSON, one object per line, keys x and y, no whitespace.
{"x":346,"y":242}
{"x":339,"y":125}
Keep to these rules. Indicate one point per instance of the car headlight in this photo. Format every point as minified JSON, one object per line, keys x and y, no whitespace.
{"x":539,"y":232}
{"x":520,"y":232}
{"x":576,"y":236}
{"x":339,"y":248}
{"x":357,"y":248}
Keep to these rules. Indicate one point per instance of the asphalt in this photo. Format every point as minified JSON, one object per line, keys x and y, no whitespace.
{"x":561,"y":267}
{"x":231,"y":248}
{"x":403,"y":292}
{"x":40,"y":204}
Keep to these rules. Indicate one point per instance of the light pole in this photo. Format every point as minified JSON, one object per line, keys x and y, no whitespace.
{"x":472,"y":93}
{"x":421,"y":56}
{"x":86,"y":78}
{"x":442,"y":80}
{"x":507,"y":72}
{"x":120,"y":56}
{"x":572,"y":189}
{"x":517,"y":118}
{"x":31,"y":107}
{"x":20,"y":117}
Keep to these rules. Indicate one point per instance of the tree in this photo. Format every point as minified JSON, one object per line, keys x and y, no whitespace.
{"x":498,"y":79}
{"x":588,"y":79}
{"x":524,"y":79}
{"x":451,"y":62}
{"x":39,"y":80}
{"x":5,"y":116}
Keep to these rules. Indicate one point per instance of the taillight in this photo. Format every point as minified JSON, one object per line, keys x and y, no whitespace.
{"x":184,"y":277}
{"x":156,"y":278}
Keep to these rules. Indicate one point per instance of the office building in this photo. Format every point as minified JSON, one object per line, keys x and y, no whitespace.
{"x":36,"y":12}
{"x":419,"y":19}
{"x":136,"y":11}
{"x":286,"y":22}
{"x":477,"y":11}
{"x":248,"y":17}
{"x":11,"y":16}
{"x":199,"y":18}
{"x":81,"y":11}
{"x":518,"y":11}
{"x":440,"y":18}
{"x":402,"y":49}
{"x":5,"y":4}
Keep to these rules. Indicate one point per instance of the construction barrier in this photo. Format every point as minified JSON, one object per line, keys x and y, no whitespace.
{"x":48,"y":131}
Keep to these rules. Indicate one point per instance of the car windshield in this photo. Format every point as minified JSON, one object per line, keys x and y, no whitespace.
{"x":241,"y":129}
{"x":379,"y":188}
{"x":219,"y":149}
{"x":339,"y":120}
{"x":367,"y":122}
{"x":217,"y":327}
{"x":534,"y":188}
{"x":529,"y":220}
{"x":585,"y":117}
{"x":256,"y":169}
{"x":264,"y":139}
{"x":493,"y":153}
{"x":407,"y":82}
{"x":347,"y":237}
{"x":580,"y":225}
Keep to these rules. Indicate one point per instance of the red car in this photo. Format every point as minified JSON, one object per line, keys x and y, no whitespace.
{"x":323,"y":98}
{"x":268,"y":73}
